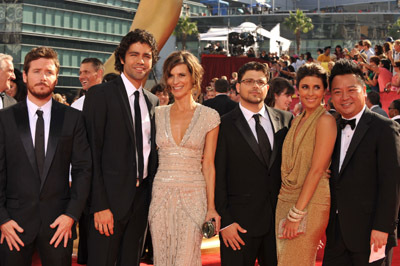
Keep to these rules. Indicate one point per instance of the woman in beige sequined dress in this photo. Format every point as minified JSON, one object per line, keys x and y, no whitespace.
{"x":183,"y":188}
{"x":304,"y":198}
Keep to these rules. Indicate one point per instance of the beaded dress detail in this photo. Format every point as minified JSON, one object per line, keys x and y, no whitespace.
{"x":179,"y":203}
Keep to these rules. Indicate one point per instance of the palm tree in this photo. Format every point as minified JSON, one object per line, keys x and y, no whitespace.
{"x":185,"y":28}
{"x":394,"y":30}
{"x":298,"y":22}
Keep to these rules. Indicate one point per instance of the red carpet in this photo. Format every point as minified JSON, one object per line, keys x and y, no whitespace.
{"x":214,"y":260}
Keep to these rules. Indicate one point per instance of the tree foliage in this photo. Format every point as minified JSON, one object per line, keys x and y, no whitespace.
{"x":298,"y":22}
{"x":185,"y":28}
{"x":394,"y":30}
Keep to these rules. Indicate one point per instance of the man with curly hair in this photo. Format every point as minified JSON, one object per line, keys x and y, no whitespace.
{"x":120,"y":122}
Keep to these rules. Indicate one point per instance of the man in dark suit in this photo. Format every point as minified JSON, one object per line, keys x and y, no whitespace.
{"x":90,"y":74}
{"x":365,"y":175}
{"x":373,"y":102}
{"x":221,"y":102}
{"x":248,"y":177}
{"x":39,"y":139}
{"x":120,"y":122}
{"x":6,"y":75}
{"x":394,"y":110}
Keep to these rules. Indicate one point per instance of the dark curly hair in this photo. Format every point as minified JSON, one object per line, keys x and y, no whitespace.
{"x":344,"y":67}
{"x":135,"y":36}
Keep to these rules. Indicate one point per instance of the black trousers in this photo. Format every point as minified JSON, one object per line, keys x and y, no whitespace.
{"x":84,"y":225}
{"x":124,"y":247}
{"x":49,"y":255}
{"x":336,"y":253}
{"x":262,"y":248}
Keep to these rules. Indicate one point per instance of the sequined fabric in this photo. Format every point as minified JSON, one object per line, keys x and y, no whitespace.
{"x":297,"y":155}
{"x":179,"y":204}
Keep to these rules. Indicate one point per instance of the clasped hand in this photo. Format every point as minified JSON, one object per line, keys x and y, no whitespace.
{"x":290,"y":230}
{"x":212,"y":214}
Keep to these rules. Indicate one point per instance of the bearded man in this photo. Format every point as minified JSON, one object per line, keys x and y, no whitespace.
{"x":39,"y":139}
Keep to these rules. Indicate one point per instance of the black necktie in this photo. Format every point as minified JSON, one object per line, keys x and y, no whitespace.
{"x":139,"y":136}
{"x":39,"y":141}
{"x":344,"y":122}
{"x":263,"y":141}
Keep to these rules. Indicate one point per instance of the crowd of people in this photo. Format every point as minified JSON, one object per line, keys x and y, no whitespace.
{"x":123,"y":159}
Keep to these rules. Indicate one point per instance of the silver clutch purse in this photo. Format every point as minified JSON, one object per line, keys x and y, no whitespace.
{"x":208,"y":228}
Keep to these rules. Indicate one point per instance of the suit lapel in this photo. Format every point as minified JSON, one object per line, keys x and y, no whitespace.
{"x":276,"y":126}
{"x":124,"y":103}
{"x":244,"y":128}
{"x":21,"y":116}
{"x":336,"y":152}
{"x":56,"y":125}
{"x":361,"y":129}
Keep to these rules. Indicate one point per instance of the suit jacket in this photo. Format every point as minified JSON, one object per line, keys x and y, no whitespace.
{"x":365,"y":192}
{"x":397,"y":120}
{"x":26,"y":197}
{"x":222,"y":103}
{"x":8,"y":101}
{"x":112,"y":139}
{"x":246,"y":188}
{"x":379,"y":110}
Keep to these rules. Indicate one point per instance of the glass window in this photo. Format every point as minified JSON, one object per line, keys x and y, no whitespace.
{"x":28,"y":14}
{"x":75,"y":21}
{"x":58,"y":18}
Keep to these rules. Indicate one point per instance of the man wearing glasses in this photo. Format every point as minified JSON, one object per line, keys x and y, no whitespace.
{"x":248,"y":177}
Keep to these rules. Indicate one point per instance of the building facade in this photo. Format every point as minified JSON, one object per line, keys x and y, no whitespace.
{"x":76,"y":29}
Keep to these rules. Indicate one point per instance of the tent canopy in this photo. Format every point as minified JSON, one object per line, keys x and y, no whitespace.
{"x":220,"y":34}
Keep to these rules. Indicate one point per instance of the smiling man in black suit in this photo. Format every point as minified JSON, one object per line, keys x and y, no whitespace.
{"x":39,"y":139}
{"x":120,"y":122}
{"x":365,"y":178}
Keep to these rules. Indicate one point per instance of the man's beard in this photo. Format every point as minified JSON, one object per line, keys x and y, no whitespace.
{"x":38,"y":93}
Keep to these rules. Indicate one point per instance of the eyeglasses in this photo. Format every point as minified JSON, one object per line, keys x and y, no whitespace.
{"x":250,"y":82}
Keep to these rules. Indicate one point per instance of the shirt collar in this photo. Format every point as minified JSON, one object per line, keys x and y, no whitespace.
{"x":129,"y":87}
{"x":249,"y":114}
{"x":396,"y":117}
{"x":357,"y":116}
{"x":32,"y":108}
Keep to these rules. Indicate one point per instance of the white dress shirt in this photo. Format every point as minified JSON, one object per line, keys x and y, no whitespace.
{"x":396,"y":57}
{"x":46,"y":108}
{"x":264,"y":121}
{"x":370,"y":52}
{"x":78,"y":104}
{"x":396,"y":117}
{"x":146,"y":123}
{"x":347,"y":135}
